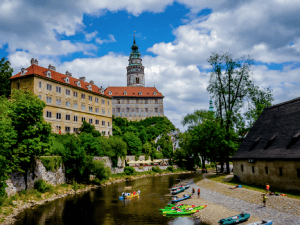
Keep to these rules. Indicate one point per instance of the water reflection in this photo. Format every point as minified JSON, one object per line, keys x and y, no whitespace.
{"x":102,"y":206}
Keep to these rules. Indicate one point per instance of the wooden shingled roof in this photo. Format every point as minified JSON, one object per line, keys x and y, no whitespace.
{"x":275,"y":134}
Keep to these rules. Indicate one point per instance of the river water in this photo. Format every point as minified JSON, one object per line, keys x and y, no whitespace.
{"x":102,"y":206}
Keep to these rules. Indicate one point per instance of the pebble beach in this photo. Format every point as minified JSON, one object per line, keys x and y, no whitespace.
{"x":223,"y":202}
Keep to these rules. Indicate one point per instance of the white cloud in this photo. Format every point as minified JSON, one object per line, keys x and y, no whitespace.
{"x":110,"y":39}
{"x":90,"y":36}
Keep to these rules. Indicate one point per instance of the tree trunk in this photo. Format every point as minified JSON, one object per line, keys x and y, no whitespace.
{"x":222,"y":166}
{"x":227,"y":165}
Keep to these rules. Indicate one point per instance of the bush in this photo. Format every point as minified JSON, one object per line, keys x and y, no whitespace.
{"x":100,"y":170}
{"x":170,"y":168}
{"x":156,"y":169}
{"x":42,"y":186}
{"x":75,"y":186}
{"x":129,"y":170}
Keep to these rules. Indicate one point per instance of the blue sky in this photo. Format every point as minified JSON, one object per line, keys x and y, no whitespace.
{"x":92,"y":38}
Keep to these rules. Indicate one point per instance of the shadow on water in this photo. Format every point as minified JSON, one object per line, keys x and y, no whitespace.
{"x":102,"y":206}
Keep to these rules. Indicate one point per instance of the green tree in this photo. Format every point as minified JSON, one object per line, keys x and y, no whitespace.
{"x":230,"y":83}
{"x":88,"y":128}
{"x":143,"y":136}
{"x":119,"y":148}
{"x":90,"y":143}
{"x":147,"y":148}
{"x":134,"y":144}
{"x":5,"y":73}
{"x":32,"y":130}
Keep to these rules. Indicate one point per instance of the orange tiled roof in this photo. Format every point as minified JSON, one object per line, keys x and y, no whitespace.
{"x":133,"y":91}
{"x":38,"y":70}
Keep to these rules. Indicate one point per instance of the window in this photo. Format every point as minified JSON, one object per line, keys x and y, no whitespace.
{"x":58,"y":127}
{"x":97,"y":122}
{"x":127,"y":101}
{"x":67,"y":129}
{"x":103,"y":132}
{"x":103,"y":101}
{"x":82,"y":119}
{"x":266,"y":169}
{"x":49,"y":114}
{"x":154,"y":93}
{"x":103,"y":123}
{"x":108,"y":133}
{"x":108,"y":112}
{"x":68,"y":92}
{"x":107,"y":102}
{"x":82,"y":106}
{"x":90,"y":121}
{"x":49,"y":74}
{"x":146,"y":101}
{"x":49,"y":99}
{"x":40,"y":84}
{"x":68,"y":117}
{"x":137,"y":109}
{"x":242,"y":168}
{"x":40,"y":97}
{"x":58,"y":89}
{"x":127,"y":109}
{"x":156,"y":110}
{"x":156,"y":101}
{"x":58,"y":116}
{"x":103,"y":111}
{"x":118,"y":101}
{"x":298,"y":173}
{"x":18,"y":86}
{"x":90,"y":108}
{"x":75,"y":130}
{"x":90,"y":98}
{"x":75,"y":94}
{"x":137,"y":101}
{"x":75,"y":105}
{"x":146,"y":109}
{"x":118,"y":109}
{"x":49,"y":87}
{"x":75,"y":118}
{"x":97,"y":110}
{"x":68,"y":103}
{"x":252,"y":169}
{"x":140,"y":93}
{"x":108,"y":124}
{"x":82,"y":96}
{"x":125,"y":93}
{"x":280,"y":171}
{"x":96,"y":100}
{"x":58,"y":101}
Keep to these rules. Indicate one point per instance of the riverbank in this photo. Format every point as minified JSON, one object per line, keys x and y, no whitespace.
{"x":23,"y":200}
{"x":223,"y":202}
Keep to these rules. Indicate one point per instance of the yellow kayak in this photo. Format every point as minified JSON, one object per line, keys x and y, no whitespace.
{"x":131,"y":196}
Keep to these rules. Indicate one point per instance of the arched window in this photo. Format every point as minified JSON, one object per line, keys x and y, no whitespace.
{"x":49,"y":74}
{"x":125,"y":92}
{"x":140,"y":93}
{"x":137,"y":80}
{"x":154,"y":93}
{"x":109,"y":93}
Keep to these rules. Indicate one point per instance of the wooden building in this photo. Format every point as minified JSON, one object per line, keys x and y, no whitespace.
{"x":270,"y":153}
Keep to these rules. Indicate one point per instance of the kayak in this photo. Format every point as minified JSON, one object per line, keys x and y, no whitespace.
{"x":185,"y":187}
{"x":264,"y":222}
{"x":129,"y":196}
{"x":185,"y":212}
{"x":182,"y":198}
{"x":177,"y":191}
{"x":235,"y":219}
{"x":186,"y":209}
{"x":173,"y":208}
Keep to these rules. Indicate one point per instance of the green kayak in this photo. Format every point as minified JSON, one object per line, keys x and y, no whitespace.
{"x":184,"y":211}
{"x":235,"y":219}
{"x":180,"y":207}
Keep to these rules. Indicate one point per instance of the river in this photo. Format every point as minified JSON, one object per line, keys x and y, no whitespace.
{"x":102,"y":206}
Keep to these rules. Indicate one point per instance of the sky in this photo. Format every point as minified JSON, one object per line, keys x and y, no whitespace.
{"x":93,"y":38}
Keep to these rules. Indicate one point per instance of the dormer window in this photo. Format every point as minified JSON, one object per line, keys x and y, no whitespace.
{"x":140,"y":93}
{"x":48,"y":74}
{"x":125,"y":92}
{"x":89,"y":87}
{"x":109,"y":93}
{"x":78,"y":83}
{"x":23,"y":71}
{"x":154,"y":93}
{"x":66,"y":79}
{"x":102,"y":91}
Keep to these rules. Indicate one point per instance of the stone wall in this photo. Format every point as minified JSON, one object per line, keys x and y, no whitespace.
{"x":16,"y":182}
{"x":288,"y":180}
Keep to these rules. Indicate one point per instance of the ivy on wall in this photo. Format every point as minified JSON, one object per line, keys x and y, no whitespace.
{"x":51,"y":163}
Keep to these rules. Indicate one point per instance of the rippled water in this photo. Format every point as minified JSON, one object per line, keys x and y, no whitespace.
{"x":102,"y":206}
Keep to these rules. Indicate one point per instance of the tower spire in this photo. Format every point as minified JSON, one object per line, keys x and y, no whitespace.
{"x":211,"y":107}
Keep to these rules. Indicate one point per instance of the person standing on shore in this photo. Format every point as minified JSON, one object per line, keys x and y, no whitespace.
{"x":264,"y":199}
{"x":198,"y":192}
{"x":267,"y":188}
{"x":193,"y":191}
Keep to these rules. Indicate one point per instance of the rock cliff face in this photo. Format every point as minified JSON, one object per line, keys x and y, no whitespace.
{"x":16,"y":182}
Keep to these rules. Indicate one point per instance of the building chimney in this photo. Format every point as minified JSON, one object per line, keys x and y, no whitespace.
{"x":82,"y":78}
{"x":91,"y":82}
{"x":68,"y":73}
{"x":51,"y":67}
{"x":34,"y":61}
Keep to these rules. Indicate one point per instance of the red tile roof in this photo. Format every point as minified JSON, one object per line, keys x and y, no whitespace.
{"x":133,"y":91}
{"x":41,"y":71}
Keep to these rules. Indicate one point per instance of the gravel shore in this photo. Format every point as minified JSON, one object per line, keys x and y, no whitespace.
{"x":223,"y":202}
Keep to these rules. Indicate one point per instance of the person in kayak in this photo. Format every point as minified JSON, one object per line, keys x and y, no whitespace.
{"x":139,"y":192}
{"x":134,"y":193}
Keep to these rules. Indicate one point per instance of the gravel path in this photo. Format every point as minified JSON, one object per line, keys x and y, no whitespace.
{"x":222,"y":202}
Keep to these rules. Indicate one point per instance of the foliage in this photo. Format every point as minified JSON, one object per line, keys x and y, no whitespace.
{"x":156,"y":169}
{"x":129,"y":170}
{"x":134,"y":144}
{"x":90,"y":144}
{"x":99,"y":169}
{"x":51,"y":163}
{"x":88,"y":128}
{"x":42,"y":186}
{"x":5,"y":74}
{"x":170,"y":168}
{"x":75,"y":186}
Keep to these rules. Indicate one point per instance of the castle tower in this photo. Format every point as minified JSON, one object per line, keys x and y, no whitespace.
{"x":135,"y":69}
{"x":211,"y":107}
